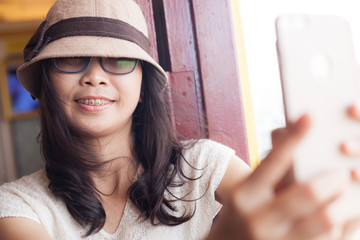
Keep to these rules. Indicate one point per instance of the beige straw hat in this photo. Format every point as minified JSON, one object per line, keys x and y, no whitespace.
{"x":107,"y":28}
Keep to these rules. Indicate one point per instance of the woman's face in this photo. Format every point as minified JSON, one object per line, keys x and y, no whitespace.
{"x":96,"y":101}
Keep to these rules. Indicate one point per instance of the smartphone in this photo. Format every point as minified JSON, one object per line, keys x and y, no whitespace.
{"x":320,"y":76}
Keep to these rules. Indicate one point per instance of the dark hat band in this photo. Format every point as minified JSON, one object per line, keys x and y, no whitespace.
{"x":83,"y":26}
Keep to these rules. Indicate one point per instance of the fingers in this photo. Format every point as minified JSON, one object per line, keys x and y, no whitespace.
{"x":301,"y":201}
{"x":259,"y":187}
{"x":355,"y":174}
{"x":276,"y":164}
{"x":308,"y":195}
{"x":286,"y":181}
{"x":325,"y":223}
{"x":352,"y":147}
{"x":298,"y":211}
{"x":276,"y":136}
{"x":320,"y":224}
{"x":303,"y":211}
{"x":354,"y":112}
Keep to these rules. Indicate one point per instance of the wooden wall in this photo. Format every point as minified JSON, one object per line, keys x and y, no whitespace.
{"x":196,"y":46}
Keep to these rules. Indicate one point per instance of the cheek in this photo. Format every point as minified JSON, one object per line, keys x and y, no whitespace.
{"x":55,"y":80}
{"x":61,"y":85}
{"x":130,"y":86}
{"x":129,"y":93}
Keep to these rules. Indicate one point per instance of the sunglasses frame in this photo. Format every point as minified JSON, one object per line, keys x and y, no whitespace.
{"x":88,"y":64}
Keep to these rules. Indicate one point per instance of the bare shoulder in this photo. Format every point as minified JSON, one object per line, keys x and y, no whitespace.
{"x":22,"y":228}
{"x":236,"y":171}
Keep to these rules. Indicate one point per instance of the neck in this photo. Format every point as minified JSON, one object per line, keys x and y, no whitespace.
{"x":117,"y":174}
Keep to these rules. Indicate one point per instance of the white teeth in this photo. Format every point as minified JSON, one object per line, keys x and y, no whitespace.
{"x":94,"y":102}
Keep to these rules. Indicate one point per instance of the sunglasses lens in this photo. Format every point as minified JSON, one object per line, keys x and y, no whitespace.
{"x":119,"y":65}
{"x":80,"y":64}
{"x":71,"y":65}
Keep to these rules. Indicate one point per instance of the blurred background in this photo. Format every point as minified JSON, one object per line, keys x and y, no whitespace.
{"x":258,"y":20}
{"x":19,"y":125}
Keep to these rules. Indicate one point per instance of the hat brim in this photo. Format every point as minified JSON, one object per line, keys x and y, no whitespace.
{"x":78,"y":46}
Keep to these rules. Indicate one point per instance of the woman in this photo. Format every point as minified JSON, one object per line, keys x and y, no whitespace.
{"x":114,"y":169}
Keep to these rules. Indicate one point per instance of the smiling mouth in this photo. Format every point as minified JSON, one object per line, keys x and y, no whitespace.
{"x":94,"y":102}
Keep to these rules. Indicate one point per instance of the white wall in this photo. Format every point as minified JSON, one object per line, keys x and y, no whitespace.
{"x":258,"y":18}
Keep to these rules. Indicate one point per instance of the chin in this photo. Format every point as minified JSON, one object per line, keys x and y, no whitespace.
{"x":103,"y":131}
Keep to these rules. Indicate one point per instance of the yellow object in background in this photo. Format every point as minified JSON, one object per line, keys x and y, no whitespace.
{"x":23,"y":10}
{"x":246,"y":91}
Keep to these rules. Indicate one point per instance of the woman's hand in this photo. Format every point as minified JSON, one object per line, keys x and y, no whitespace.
{"x":352,"y":148}
{"x":257,"y":209}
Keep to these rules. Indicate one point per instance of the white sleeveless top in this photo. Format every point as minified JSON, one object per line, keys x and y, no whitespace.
{"x":29,"y":197}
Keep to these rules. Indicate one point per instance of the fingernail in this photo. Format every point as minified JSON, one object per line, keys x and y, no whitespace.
{"x":354,"y":110}
{"x":355,"y":174}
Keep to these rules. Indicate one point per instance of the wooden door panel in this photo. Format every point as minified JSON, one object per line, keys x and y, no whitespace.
{"x":198,"y":50}
{"x":147,"y":8}
{"x":180,"y":36}
{"x":186,"y":118}
{"x":185,"y":82}
{"x":220,"y":76}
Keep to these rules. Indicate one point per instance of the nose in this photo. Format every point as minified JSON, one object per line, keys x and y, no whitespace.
{"x":94,"y":75}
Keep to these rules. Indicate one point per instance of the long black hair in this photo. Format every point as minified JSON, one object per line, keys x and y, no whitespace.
{"x":69,"y":161}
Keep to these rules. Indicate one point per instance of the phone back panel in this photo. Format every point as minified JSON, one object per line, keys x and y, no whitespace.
{"x":319,"y":76}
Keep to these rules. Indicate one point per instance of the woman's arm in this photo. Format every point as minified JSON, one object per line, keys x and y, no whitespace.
{"x":14,"y":228}
{"x":236,"y":171}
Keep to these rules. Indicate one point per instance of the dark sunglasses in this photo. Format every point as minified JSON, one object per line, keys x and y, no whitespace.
{"x":118,"y":66}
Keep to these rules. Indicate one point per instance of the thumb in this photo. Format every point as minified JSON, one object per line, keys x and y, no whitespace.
{"x":278,"y":161}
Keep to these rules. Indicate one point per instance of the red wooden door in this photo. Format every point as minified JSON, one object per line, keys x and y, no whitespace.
{"x":194,"y":42}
